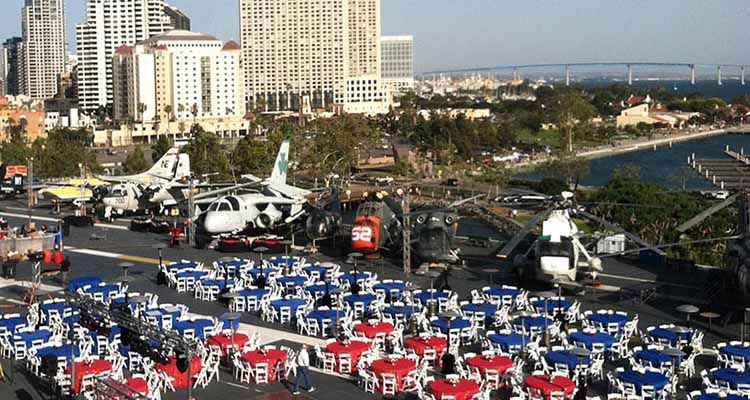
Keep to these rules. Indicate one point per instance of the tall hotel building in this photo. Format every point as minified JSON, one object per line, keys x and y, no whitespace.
{"x":110,"y":24}
{"x":397,"y":62}
{"x":42,"y":58}
{"x":325,"y":52}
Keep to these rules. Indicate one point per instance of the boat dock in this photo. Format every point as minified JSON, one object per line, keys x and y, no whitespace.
{"x":732,"y":172}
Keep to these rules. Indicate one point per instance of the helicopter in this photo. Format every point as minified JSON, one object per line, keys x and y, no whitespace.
{"x":379,"y":226}
{"x":557,"y":255}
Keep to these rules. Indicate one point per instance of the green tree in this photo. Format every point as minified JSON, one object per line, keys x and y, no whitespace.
{"x":135,"y":162}
{"x":570,"y":110}
{"x":160,"y":147}
{"x":207,"y":156}
{"x":567,"y":168}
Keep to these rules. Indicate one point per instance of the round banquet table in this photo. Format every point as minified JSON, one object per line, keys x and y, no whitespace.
{"x":180,"y":379}
{"x":546,"y":385}
{"x":499,"y":364}
{"x":463,"y":389}
{"x":419,"y":345}
{"x":138,"y":385}
{"x":95,"y":368}
{"x":271,"y":357}
{"x":355,"y":349}
{"x":400,"y":367}
{"x":225,"y":341}
{"x":371,"y":330}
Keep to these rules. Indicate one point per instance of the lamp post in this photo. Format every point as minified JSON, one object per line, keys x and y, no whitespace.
{"x":545,"y":295}
{"x":231,"y":317}
{"x":431,"y":307}
{"x":261,"y":280}
{"x":160,"y":247}
{"x":355,"y":285}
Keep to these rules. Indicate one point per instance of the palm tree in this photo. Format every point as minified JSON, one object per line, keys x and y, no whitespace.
{"x":168,"y":111}
{"x":194,"y":111}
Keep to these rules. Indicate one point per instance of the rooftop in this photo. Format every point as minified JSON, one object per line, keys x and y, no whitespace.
{"x":179,"y":35}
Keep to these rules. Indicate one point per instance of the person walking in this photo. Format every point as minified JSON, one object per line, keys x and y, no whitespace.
{"x":303,"y":370}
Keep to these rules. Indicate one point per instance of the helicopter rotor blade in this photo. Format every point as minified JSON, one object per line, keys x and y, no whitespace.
{"x":618,"y":229}
{"x":516,"y":240}
{"x":707,"y":213}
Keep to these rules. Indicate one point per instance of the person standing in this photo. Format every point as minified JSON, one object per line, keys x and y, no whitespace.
{"x":303,"y":370}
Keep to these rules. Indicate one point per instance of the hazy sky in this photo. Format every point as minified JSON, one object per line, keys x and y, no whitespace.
{"x":471,"y":33}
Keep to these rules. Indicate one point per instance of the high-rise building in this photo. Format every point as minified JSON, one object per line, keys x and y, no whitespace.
{"x":397,"y":62}
{"x":326,"y":52}
{"x":43,"y":56}
{"x":110,"y":24}
{"x":11,"y":74}
{"x":178,"y":75}
{"x":177,"y":18}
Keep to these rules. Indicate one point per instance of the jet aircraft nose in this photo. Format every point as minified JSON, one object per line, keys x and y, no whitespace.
{"x":218,"y":222}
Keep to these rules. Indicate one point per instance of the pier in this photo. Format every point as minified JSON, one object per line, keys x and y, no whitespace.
{"x":732,"y":172}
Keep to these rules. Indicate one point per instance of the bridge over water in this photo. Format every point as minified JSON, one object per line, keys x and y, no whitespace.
{"x":567,"y":67}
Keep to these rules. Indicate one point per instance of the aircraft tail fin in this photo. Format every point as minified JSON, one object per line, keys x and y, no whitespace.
{"x":167,"y":165}
{"x":183,"y":167}
{"x":281,"y":165}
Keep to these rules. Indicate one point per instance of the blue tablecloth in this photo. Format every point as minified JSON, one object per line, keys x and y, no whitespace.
{"x":563,"y":357}
{"x":11,"y":324}
{"x":390,"y":287}
{"x":654,"y":358}
{"x":310,"y":269}
{"x":320,"y":288}
{"x":77,"y":283}
{"x":330,"y":315}
{"x":500,"y":292}
{"x":487,"y":308}
{"x":255,"y":293}
{"x":29,"y":337}
{"x":161,"y":313}
{"x":365,"y":299}
{"x":716,"y":397}
{"x":730,"y":376}
{"x":106,"y":290}
{"x":737,"y":351}
{"x":198,"y":326}
{"x":605,"y":319}
{"x":349,"y":277}
{"x":505,"y":341}
{"x":588,"y":340}
{"x":191,"y":274}
{"x":255,"y":272}
{"x":458,"y":323}
{"x":406,"y":311}
{"x":57,"y":352}
{"x":425,"y":296}
{"x":533,"y":322}
{"x":552,"y":305}
{"x":220,"y":283}
{"x":58,"y":307}
{"x":181,"y":266}
{"x":292,"y":280}
{"x":293,"y":305}
{"x":669,"y":335}
{"x":282,"y":261}
{"x":655,"y":379}
{"x":121,"y":300}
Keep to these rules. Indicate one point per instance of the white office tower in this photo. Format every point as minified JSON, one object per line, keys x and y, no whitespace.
{"x":326,"y":52}
{"x":397,"y":62}
{"x":43,"y":55}
{"x":110,"y":24}
{"x":178,"y":75}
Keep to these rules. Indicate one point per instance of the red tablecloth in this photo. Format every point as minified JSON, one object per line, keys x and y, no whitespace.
{"x":419,"y":345}
{"x":371,"y":330}
{"x":225,"y":342}
{"x":354,"y":349}
{"x":500,"y":364}
{"x":272,"y":357}
{"x":180,"y":379}
{"x":462,"y":390}
{"x":95,"y":368}
{"x":401,"y":367}
{"x":558,"y":384}
{"x":138,"y":385}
